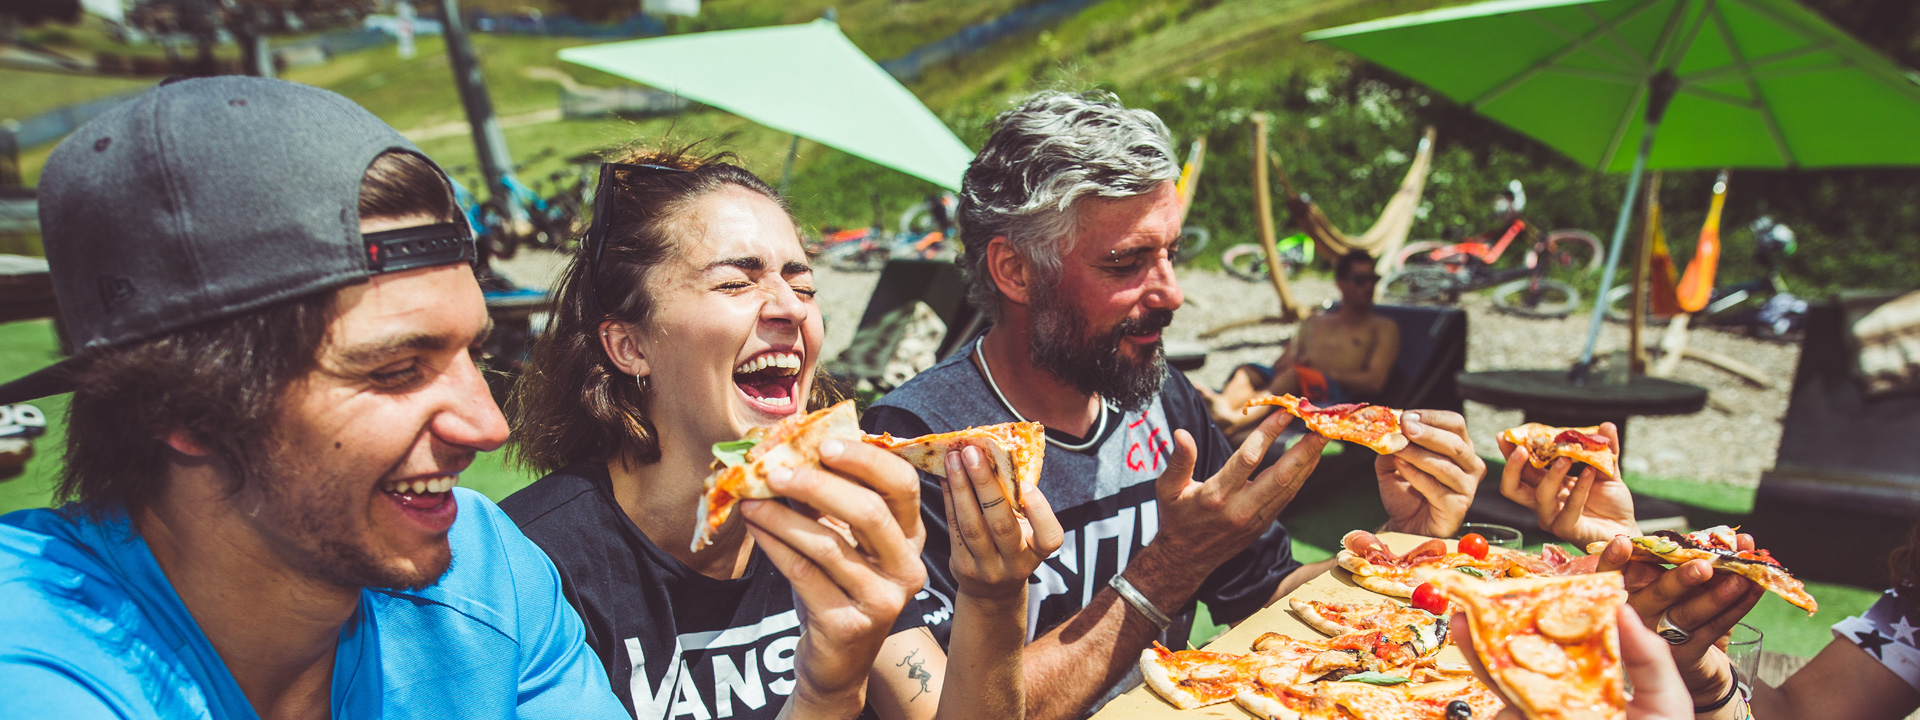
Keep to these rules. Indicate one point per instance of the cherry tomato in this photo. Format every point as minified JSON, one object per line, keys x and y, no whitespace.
{"x":1428,"y":598}
{"x":1473,"y":544}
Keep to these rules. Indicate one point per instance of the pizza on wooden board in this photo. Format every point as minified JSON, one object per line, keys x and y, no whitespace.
{"x":1378,"y":568}
{"x":1719,"y":545}
{"x":1197,"y":678}
{"x":1014,"y":451}
{"x":1545,"y":443}
{"x":792,"y":443}
{"x":1374,"y":426}
{"x":1552,"y":644}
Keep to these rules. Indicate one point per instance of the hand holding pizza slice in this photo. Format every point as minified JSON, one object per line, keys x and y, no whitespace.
{"x":1545,"y":443}
{"x":1015,"y":451}
{"x":793,"y":443}
{"x":1720,"y":547}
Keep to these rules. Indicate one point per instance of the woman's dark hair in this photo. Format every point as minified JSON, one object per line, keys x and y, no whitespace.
{"x":223,"y":381}
{"x":572,"y":404}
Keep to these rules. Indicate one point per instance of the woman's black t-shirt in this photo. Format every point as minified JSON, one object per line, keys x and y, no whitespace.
{"x":675,"y":643}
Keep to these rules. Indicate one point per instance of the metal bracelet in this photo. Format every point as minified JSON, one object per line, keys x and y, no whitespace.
{"x":1139,"y":602}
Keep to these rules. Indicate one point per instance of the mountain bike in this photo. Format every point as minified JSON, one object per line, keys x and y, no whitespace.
{"x":1762,"y":306}
{"x":1248,"y":261}
{"x":1568,"y":249}
{"x":1526,"y":291}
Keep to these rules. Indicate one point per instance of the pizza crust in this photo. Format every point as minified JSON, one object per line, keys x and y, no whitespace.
{"x":1154,"y":671}
{"x":1264,"y":706}
{"x":1312,"y":617}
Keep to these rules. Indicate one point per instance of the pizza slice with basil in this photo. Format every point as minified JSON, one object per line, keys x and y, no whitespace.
{"x":1014,"y":450}
{"x":742,"y":465}
{"x":1374,"y":426}
{"x":1422,"y":632}
{"x":1545,"y":443}
{"x":1720,"y":546}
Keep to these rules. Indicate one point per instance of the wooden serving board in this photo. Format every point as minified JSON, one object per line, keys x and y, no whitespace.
{"x":1335,"y":585}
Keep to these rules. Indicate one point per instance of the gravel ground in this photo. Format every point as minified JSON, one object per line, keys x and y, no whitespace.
{"x":1732,"y":441}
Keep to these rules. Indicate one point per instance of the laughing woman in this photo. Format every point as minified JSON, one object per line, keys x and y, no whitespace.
{"x":686,"y":319}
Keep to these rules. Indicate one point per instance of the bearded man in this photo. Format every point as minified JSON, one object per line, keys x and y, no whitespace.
{"x":274,"y":397}
{"x":1069,"y":218}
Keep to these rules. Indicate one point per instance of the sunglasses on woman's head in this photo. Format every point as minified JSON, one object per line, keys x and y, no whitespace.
{"x":595,"y":243}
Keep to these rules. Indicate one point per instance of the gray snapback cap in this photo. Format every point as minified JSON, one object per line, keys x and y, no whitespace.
{"x":207,"y":198}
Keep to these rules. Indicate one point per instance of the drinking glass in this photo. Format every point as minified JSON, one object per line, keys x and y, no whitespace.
{"x":1499,"y":536}
{"x":1743,"y":650}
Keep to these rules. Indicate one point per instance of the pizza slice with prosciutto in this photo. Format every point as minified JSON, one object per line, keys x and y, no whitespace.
{"x":1374,"y":426}
{"x":1545,"y":443}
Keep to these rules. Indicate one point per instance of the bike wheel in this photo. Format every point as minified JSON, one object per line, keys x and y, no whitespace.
{"x":857,"y":259}
{"x":1421,"y":283}
{"x":1246,"y":261}
{"x":1550,"y":299}
{"x":1575,"y":250}
{"x":1415,"y":253}
{"x":1193,"y":240}
{"x":495,"y":230}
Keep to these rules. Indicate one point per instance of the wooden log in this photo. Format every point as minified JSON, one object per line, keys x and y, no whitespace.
{"x":1263,"y":211}
{"x":1673,"y":346}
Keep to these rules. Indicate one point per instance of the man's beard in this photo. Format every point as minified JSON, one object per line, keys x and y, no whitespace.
{"x":1091,"y":361}
{"x":308,"y":511}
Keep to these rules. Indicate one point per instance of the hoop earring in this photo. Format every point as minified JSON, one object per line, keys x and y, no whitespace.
{"x":645,"y":386}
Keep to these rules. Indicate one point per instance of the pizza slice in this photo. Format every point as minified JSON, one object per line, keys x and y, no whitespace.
{"x":1374,"y":426}
{"x":1420,"y":631}
{"x":1544,"y":443}
{"x":743,"y":464}
{"x":1014,"y":450}
{"x":1552,"y":644}
{"x":1379,"y":697}
{"x":1719,"y":546}
{"x":1197,"y":678}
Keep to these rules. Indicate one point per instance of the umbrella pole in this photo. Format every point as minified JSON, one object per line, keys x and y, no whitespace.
{"x":1664,"y":84}
{"x":786,"y":171}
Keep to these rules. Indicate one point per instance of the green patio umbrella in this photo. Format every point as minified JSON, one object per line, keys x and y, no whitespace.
{"x":808,"y":80}
{"x":1727,"y":83}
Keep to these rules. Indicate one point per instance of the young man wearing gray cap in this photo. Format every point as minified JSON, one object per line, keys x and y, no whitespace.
{"x":274,"y":396}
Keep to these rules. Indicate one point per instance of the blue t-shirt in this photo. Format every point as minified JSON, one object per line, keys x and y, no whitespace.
{"x":93,"y":629}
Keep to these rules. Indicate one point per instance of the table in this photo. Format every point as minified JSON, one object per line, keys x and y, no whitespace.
{"x":26,"y":289}
{"x":1546,"y":397}
{"x":1335,"y":585}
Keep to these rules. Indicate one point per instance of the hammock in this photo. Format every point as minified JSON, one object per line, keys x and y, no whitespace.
{"x":1696,"y":285}
{"x":1388,"y":233}
{"x":1667,"y":296}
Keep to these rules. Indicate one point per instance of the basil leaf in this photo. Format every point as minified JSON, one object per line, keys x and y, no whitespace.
{"x":1374,"y":678}
{"x":733,"y":452}
{"x":1476,"y":572}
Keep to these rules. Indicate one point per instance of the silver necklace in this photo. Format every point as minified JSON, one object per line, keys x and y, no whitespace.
{"x":1100,"y":430}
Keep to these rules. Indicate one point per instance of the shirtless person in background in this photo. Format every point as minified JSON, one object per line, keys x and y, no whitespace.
{"x":1337,"y":357}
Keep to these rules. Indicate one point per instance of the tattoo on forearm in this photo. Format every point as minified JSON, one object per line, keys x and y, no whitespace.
{"x":916,"y":670}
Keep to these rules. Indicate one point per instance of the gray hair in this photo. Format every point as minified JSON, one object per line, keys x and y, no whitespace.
{"x":1044,"y":157}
